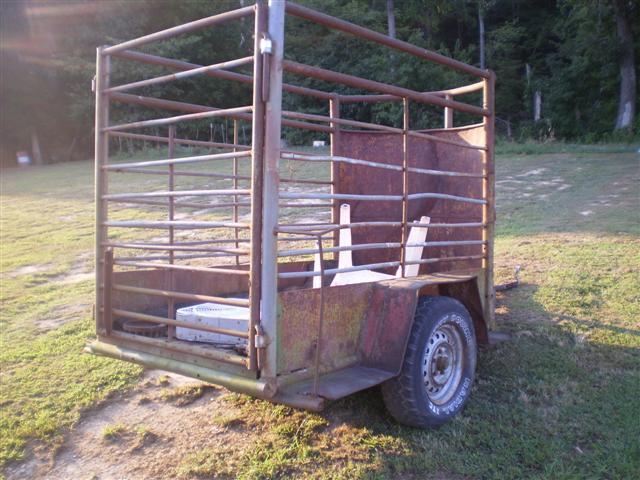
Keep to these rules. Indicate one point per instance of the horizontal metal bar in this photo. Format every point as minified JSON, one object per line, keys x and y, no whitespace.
{"x":194,"y":108}
{"x":474,"y":87}
{"x":177,"y":161}
{"x":178,"y":257}
{"x":362,"y":246}
{"x":299,"y":239}
{"x":305,"y":205}
{"x":177,"y":224}
{"x":174,"y":247}
{"x":358,"y":31}
{"x":181,"y":75}
{"x":239,"y":302}
{"x":354,"y":161}
{"x":304,"y":181}
{"x":225,"y":112}
{"x":375,"y":246}
{"x":357,"y":82}
{"x":134,"y":351}
{"x":179,"y":323}
{"x":379,"y":198}
{"x":334,"y":158}
{"x":385,"y":128}
{"x":188,"y":268}
{"x":163,"y":104}
{"x":447,"y":243}
{"x":201,"y":206}
{"x":444,"y":173}
{"x":177,"y":193}
{"x":340,"y":121}
{"x":333,"y":271}
{"x":184,"y":28}
{"x":300,"y":228}
{"x":237,"y":77}
{"x":180,"y":173}
{"x":214,"y":241}
{"x":316,"y":226}
{"x":340,"y":196}
{"x":181,"y":141}
{"x":443,"y":196}
{"x":444,"y":259}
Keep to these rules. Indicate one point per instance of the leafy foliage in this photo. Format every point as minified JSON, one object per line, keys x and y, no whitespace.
{"x":566,"y":49}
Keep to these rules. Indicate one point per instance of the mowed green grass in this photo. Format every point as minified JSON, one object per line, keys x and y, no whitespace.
{"x":559,"y":400}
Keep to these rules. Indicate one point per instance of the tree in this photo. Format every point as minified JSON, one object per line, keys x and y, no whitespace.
{"x":391,"y":19}
{"x":627,"y":100}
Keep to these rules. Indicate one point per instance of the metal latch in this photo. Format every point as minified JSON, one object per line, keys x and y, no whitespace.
{"x":93,"y":84}
{"x":266,"y":45}
{"x":260,"y":340}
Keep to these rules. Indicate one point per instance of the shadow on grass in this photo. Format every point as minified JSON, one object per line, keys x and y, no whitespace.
{"x":556,"y":401}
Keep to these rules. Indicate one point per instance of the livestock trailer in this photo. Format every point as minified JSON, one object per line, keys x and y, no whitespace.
{"x":298,"y":275}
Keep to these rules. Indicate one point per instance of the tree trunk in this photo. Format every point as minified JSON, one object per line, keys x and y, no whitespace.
{"x":391,"y":19}
{"x":36,"y":152}
{"x":537,"y":105}
{"x":481,"y":35}
{"x":627,"y":102}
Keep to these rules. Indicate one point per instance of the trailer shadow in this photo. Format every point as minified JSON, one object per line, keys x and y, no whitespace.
{"x":543,"y":400}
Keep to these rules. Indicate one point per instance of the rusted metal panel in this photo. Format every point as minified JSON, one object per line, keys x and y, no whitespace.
{"x":387,"y":325}
{"x":469,"y":294}
{"x":387,"y":148}
{"x":344,"y":311}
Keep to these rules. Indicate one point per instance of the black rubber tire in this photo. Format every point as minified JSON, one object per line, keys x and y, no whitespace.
{"x":405,"y":396}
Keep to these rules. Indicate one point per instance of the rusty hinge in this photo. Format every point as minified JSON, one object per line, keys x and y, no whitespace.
{"x":266,"y":48}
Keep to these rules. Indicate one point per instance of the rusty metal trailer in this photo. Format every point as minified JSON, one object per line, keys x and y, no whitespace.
{"x":409,"y":323}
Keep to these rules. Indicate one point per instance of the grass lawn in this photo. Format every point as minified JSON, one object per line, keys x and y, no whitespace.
{"x":560,"y":400}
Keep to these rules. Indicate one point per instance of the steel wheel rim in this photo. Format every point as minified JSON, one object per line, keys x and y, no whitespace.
{"x":442,"y":363}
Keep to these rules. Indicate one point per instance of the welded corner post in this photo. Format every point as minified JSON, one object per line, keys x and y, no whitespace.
{"x":272,"y":119}
{"x":257,"y":173}
{"x":103,"y":67}
{"x":488,"y":191}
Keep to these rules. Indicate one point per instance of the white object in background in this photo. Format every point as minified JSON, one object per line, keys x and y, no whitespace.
{"x":417,"y":234}
{"x":319,"y":143}
{"x":214,"y":315}
{"x":23,"y":158}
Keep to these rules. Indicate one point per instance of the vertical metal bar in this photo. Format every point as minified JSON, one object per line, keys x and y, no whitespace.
{"x":448,"y":114}
{"x":101,"y":181}
{"x":334,"y":112}
{"x":108,"y":283}
{"x":488,"y":193}
{"x":257,"y":144}
{"x":405,"y":182}
{"x":316,"y":373}
{"x":235,"y":185}
{"x":171,"y":329}
{"x":272,"y":128}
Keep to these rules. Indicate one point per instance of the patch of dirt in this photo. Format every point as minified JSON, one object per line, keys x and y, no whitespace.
{"x":142,"y":435}
{"x":29,"y":270}
{"x":80,"y":271}
{"x":62,"y":315}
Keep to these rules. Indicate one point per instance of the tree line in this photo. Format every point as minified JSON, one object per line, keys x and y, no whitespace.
{"x":566,"y":69}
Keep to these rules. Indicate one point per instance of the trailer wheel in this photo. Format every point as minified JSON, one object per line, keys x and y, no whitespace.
{"x":438,"y":368}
